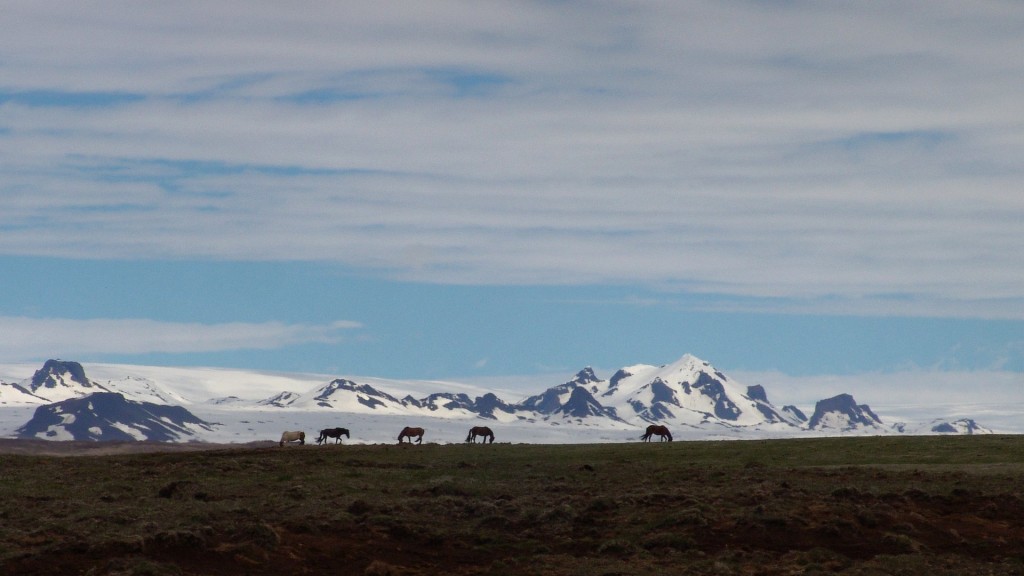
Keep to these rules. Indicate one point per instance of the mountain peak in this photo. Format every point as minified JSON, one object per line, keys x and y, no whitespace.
{"x":60,"y":380}
{"x":842,"y":412}
{"x":581,"y":404}
{"x":586,"y":376}
{"x":690,"y":361}
{"x":58,"y":372}
{"x":109,"y":416}
{"x":961,"y":426}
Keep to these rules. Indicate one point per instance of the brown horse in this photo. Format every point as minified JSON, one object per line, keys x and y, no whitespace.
{"x":659,"y":430}
{"x":483,"y":431}
{"x":335,"y":433}
{"x":409,"y":432}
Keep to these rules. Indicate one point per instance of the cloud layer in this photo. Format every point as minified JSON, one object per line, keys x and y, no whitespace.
{"x":854,"y":159}
{"x":26,"y":337}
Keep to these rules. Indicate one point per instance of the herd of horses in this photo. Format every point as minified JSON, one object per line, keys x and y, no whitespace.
{"x":483,"y":432}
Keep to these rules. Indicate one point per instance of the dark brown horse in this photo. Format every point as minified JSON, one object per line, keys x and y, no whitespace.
{"x":335,"y":433}
{"x":659,"y":430}
{"x":409,"y":432}
{"x":483,"y":431}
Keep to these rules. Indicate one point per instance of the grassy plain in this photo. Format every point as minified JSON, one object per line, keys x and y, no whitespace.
{"x":858,"y":506}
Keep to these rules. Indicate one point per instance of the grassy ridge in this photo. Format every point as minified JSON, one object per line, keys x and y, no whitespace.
{"x":771,"y":507}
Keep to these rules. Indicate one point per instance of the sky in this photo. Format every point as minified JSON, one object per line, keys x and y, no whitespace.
{"x":486,"y":190}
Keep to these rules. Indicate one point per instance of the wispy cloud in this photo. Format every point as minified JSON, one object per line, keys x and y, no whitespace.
{"x":826,"y":157}
{"x":22,"y":337}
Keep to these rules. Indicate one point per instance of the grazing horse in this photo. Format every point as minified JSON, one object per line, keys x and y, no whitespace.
{"x":332,"y":433}
{"x":483,"y":431}
{"x":659,"y":430}
{"x":409,"y":432}
{"x":292,"y":437}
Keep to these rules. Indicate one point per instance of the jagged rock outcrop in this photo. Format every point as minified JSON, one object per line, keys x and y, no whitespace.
{"x":842,"y":413}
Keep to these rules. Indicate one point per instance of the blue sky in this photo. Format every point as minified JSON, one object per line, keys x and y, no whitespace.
{"x":483,"y":190}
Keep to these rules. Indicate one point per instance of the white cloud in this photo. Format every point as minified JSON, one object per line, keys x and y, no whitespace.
{"x":22,"y":337}
{"x":832,"y":157}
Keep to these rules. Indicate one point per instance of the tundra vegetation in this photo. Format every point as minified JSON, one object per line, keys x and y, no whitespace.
{"x":859,"y":506}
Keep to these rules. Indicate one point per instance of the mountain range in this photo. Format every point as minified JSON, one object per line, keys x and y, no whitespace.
{"x":687,"y":395}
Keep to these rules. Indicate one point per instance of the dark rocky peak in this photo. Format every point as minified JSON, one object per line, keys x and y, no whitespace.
{"x":613,"y":383}
{"x":585,"y":376}
{"x":280,"y":400}
{"x":448,"y":401}
{"x":56,"y":373}
{"x":548,"y":401}
{"x":757,"y":393}
{"x":487,"y":404}
{"x":768,"y":411}
{"x":711,"y":387}
{"x":961,"y":426}
{"x":337,"y":385}
{"x":844,"y":412}
{"x":795,"y":412}
{"x":581,"y":404}
{"x":106,"y":416}
{"x":341,"y":385}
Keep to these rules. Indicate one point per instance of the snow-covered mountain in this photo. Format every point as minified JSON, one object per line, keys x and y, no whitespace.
{"x":689,"y":392}
{"x":690,"y":396}
{"x":58,"y":380}
{"x":844,"y":414}
{"x":16,"y":394}
{"x":961,"y":426}
{"x":109,"y":416}
{"x":944,"y":426}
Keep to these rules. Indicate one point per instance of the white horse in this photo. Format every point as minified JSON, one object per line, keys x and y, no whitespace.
{"x":292,"y":437}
